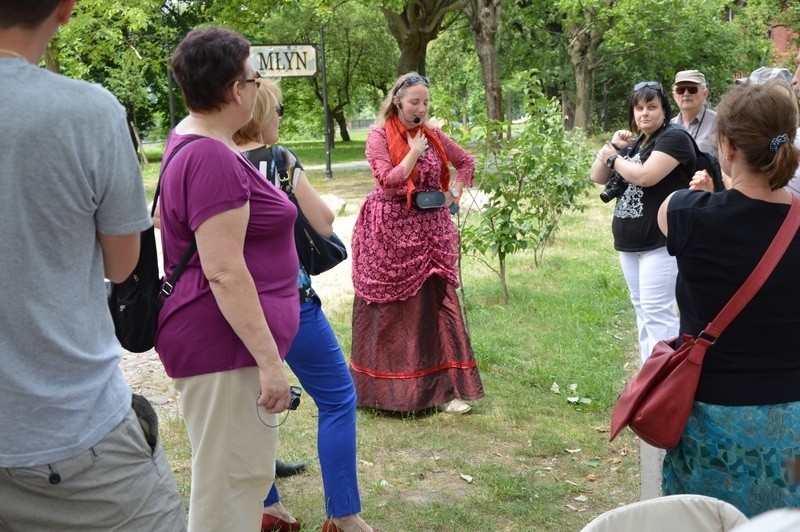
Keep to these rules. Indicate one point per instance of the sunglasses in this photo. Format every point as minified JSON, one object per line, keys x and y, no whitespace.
{"x":257,"y":81}
{"x":691,"y":89}
{"x":411,"y":80}
{"x":656,"y":86}
{"x":279,"y":110}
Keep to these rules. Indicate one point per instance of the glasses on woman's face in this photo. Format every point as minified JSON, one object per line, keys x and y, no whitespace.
{"x":691,"y":89}
{"x":412,"y":80}
{"x":279,"y":110}
{"x":256,"y":80}
{"x":656,"y":86}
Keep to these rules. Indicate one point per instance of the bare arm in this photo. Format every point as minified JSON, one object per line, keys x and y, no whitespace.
{"x":654,"y":169}
{"x":220,"y":245}
{"x":662,"y":214}
{"x":600,"y":173}
{"x":120,"y":255}
{"x":319,"y":215}
{"x":157,"y":219}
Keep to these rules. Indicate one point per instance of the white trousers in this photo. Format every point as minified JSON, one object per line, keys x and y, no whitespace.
{"x":651,"y":281}
{"x":233,"y":452}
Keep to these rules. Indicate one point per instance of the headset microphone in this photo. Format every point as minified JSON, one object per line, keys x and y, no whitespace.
{"x":416,"y":119}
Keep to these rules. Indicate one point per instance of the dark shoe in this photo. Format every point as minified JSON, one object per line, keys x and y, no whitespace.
{"x":270,"y":523}
{"x":283,"y":469}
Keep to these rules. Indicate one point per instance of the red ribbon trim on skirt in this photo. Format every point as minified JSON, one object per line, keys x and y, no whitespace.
{"x":415,"y":374}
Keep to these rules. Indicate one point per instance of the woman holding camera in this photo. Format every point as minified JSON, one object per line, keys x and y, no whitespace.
{"x":410,"y":347}
{"x":641,"y":171}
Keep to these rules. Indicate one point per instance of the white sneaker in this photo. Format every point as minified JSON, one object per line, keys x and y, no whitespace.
{"x":456,"y":406}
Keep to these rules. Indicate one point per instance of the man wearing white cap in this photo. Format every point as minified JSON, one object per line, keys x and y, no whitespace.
{"x":690,"y":93}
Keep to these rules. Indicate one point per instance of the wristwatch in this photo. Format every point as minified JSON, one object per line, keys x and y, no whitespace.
{"x":611,"y":160}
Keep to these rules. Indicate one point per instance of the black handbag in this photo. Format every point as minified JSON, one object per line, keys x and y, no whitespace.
{"x":317,"y":254}
{"x":428,"y":199}
{"x":135,"y":303}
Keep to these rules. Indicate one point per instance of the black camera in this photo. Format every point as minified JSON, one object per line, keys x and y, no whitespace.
{"x":294,"y":401}
{"x":614,"y":188}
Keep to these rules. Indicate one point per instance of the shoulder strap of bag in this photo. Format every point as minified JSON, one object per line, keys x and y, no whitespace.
{"x":279,"y":161}
{"x":164,"y":167}
{"x":759,"y":275}
{"x":169,"y":285}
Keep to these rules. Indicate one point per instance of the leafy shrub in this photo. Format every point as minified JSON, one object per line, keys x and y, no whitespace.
{"x":528,"y":181}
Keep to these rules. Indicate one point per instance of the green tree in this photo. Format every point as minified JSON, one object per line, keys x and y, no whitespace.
{"x":120,"y":46}
{"x":483,"y":18}
{"x":359,"y":67}
{"x":414,"y":24}
{"x":456,"y":88}
{"x":529,"y":181}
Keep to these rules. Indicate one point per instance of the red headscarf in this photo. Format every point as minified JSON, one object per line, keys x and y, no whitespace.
{"x":399,"y":148}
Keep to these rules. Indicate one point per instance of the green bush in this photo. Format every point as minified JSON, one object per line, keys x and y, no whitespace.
{"x":529,"y":181}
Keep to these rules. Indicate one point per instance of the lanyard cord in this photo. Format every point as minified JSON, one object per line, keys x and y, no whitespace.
{"x":700,"y":124}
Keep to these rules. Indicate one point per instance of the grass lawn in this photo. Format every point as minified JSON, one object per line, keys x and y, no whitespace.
{"x":526,"y":457}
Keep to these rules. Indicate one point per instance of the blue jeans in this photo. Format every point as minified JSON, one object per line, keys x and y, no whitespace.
{"x":317,"y":360}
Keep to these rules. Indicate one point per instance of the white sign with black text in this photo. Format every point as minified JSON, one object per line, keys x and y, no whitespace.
{"x":284,"y":60}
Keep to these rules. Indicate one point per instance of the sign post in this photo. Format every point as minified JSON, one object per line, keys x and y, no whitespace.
{"x":295,"y":61}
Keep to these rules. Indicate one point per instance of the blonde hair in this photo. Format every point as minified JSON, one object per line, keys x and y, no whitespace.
{"x":388,"y":109}
{"x":268,"y":99}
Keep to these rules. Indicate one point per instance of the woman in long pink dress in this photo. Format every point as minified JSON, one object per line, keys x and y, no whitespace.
{"x":410,"y":349}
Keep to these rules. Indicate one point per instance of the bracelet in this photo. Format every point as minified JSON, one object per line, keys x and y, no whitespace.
{"x":615,"y":146}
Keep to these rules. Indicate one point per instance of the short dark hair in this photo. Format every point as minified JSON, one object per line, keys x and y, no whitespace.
{"x":646,"y":93}
{"x":206,"y":62}
{"x":28,"y":13}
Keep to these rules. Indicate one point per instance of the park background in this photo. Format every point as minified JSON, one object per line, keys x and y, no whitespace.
{"x":530,"y":88}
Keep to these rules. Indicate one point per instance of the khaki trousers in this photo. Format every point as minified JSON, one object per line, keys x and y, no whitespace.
{"x":233,"y":452}
{"x":120,"y":483}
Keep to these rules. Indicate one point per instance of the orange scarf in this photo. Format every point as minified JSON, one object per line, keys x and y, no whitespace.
{"x":399,"y":148}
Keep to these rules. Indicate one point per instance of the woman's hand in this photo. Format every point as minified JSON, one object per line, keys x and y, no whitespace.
{"x":701,"y":181}
{"x":605,"y":152}
{"x":418,"y":143}
{"x":274,"y":397}
{"x":622,"y":138}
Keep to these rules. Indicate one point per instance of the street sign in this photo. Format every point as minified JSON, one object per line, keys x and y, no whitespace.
{"x":284,"y":60}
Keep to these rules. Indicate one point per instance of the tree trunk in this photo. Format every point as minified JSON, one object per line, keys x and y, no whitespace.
{"x":342,"y":121}
{"x":484,"y":19}
{"x":585,"y":39}
{"x":414,"y":27}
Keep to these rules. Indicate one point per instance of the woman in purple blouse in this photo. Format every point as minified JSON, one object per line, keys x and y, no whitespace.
{"x":224,"y":331}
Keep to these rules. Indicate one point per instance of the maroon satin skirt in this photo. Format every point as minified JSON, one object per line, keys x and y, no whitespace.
{"x":415,"y":354}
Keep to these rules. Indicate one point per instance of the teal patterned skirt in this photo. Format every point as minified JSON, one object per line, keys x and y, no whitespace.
{"x":743,"y":455}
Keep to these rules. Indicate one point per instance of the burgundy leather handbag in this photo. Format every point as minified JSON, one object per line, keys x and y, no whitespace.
{"x":657,"y":402}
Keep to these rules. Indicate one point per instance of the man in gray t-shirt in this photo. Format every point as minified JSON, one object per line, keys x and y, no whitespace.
{"x":73,"y":453}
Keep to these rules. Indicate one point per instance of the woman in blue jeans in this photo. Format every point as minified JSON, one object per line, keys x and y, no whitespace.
{"x":315,"y":356}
